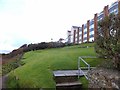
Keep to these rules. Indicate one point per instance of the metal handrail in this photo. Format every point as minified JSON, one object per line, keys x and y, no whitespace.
{"x":79,"y":69}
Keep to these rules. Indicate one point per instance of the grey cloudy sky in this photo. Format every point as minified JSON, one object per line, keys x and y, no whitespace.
{"x":33,"y":21}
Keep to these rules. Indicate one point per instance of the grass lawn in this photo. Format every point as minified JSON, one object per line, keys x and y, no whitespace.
{"x":37,"y":70}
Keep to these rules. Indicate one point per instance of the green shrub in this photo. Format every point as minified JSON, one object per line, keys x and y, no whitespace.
{"x":108,"y":39}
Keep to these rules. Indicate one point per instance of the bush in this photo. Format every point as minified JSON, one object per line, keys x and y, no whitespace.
{"x":108,"y":39}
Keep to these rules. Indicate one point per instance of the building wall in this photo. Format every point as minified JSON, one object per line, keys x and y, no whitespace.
{"x":90,"y":35}
{"x":113,"y":8}
{"x":75,"y":34}
{"x":80,"y":35}
{"x":91,"y":31}
{"x":69,"y":36}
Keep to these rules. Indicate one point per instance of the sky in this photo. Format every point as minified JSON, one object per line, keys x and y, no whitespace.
{"x":35,"y":21}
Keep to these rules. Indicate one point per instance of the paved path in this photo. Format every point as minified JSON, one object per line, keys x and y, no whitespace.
{"x":2,"y":81}
{"x":68,"y":73}
{"x":0,"y":71}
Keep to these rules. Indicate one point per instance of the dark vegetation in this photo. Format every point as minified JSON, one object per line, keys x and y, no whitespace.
{"x":11,"y":64}
{"x":108,"y":40}
{"x":13,"y":59}
{"x":32,"y":47}
{"x":42,"y":45}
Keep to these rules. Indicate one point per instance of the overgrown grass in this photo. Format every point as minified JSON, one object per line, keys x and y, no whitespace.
{"x":84,"y":82}
{"x":6,"y":68}
{"x":37,"y":71}
{"x":12,"y":63}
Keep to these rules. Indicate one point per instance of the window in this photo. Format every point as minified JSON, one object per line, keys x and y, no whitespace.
{"x":85,"y":38}
{"x":113,"y":8}
{"x":92,"y":26}
{"x":91,"y":22}
{"x":92,"y":29}
{"x":100,"y":16}
{"x":85,"y":26}
{"x":85,"y":32}
{"x":91,"y":36}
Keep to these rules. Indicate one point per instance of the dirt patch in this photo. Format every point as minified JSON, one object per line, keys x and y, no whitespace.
{"x":104,"y":78}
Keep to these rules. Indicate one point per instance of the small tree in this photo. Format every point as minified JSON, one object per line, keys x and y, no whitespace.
{"x":108,"y":39}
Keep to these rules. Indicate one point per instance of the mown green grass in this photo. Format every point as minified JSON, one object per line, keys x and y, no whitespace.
{"x":38,"y":67}
{"x":84,"y":82}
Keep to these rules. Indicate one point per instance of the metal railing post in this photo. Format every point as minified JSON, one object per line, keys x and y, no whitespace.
{"x":79,"y":69}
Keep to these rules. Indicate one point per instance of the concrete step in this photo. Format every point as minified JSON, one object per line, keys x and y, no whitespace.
{"x":68,"y":79}
{"x":60,"y":73}
{"x":65,"y":79}
{"x":86,"y":68}
{"x":76,"y":85}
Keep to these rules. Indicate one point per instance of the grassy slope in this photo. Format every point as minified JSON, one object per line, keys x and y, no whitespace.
{"x":11,"y":63}
{"x":37,"y":72}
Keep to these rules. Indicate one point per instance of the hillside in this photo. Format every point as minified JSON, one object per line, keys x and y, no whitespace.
{"x":38,"y":67}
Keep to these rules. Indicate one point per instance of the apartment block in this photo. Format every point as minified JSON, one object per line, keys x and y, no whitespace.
{"x":69,"y":36}
{"x":88,"y":32}
{"x":75,"y":30}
